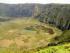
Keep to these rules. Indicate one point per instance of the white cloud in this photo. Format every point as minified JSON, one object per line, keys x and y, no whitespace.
{"x":61,"y":1}
{"x":35,"y":1}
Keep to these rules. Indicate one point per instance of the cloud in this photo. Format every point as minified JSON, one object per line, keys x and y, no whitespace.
{"x":35,"y":1}
{"x":60,"y":1}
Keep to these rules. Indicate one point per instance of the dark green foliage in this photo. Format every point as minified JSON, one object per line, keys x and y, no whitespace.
{"x":64,"y":38}
{"x":56,"y":14}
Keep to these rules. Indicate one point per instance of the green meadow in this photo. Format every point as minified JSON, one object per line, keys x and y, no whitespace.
{"x":26,"y":36}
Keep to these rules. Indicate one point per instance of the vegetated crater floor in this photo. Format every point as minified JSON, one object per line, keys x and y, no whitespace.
{"x":26,"y":35}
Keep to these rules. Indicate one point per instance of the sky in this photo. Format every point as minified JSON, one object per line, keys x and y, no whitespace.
{"x":35,"y":1}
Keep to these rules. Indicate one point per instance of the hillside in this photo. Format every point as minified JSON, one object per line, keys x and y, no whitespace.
{"x":56,"y":49}
{"x":34,"y":28}
{"x":26,"y":37}
{"x":56,"y":14}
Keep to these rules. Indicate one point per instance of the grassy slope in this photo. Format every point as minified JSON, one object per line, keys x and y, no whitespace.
{"x":64,"y":47}
{"x":25,"y":36}
{"x":56,"y":49}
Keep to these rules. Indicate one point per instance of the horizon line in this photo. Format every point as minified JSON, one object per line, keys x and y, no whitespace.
{"x":33,"y":3}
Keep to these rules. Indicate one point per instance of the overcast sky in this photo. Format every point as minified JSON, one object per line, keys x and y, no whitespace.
{"x":35,"y":1}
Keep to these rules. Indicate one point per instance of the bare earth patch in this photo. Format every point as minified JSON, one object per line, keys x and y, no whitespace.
{"x":5,"y":43}
{"x":19,"y":42}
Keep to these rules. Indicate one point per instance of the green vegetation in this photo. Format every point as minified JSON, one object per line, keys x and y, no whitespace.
{"x":35,"y":28}
{"x":56,"y":49}
{"x":62,"y":42}
{"x":65,"y":37}
{"x":56,"y":14}
{"x":26,"y":35}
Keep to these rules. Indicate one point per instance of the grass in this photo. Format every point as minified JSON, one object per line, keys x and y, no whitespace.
{"x":63,"y":44}
{"x":65,"y":48}
{"x":25,"y":35}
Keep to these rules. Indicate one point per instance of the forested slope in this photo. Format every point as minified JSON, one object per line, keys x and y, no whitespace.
{"x":57,"y":14}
